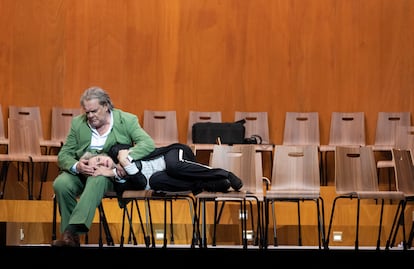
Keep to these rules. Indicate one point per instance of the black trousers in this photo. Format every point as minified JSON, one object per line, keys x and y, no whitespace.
{"x":181,"y":174}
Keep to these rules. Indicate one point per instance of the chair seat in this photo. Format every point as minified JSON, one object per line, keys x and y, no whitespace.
{"x":385,"y":164}
{"x":394,"y":195}
{"x":292,"y":194}
{"x":133,"y":194}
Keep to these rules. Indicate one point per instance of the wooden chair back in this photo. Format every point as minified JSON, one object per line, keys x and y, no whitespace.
{"x":3,"y":139}
{"x":239,"y":159}
{"x":161,"y":126}
{"x":200,"y":116}
{"x":404,"y":137}
{"x":386,"y":130}
{"x":257,"y":123}
{"x":296,"y":171}
{"x":23,"y":137}
{"x":355,"y":170}
{"x":347,"y":128}
{"x":404,"y":171}
{"x":301,"y":128}
{"x":28,"y":112}
{"x":61,"y":122}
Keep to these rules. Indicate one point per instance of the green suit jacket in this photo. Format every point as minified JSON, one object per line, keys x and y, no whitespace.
{"x":125,"y":130}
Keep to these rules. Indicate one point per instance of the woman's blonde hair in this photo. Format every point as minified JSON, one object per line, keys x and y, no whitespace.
{"x":87,"y":155}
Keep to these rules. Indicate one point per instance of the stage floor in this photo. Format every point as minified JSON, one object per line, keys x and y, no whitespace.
{"x":45,"y":256}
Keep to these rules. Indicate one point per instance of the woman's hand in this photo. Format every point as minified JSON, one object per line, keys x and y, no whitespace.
{"x":120,"y":171}
{"x":103,"y":171}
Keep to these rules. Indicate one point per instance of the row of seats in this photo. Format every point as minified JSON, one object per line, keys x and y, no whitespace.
{"x":300,"y":128}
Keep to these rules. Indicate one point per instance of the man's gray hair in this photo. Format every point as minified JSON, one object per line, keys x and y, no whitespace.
{"x":97,"y":93}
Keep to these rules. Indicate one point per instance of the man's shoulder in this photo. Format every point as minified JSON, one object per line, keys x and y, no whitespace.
{"x":121,"y":114}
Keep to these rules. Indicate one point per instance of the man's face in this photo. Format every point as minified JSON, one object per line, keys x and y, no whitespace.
{"x":95,"y":113}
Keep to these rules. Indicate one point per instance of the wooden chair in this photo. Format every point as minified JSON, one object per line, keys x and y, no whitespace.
{"x":301,"y":128}
{"x":386,"y":137}
{"x":201,"y":116}
{"x":241,"y":160}
{"x":161,"y":126}
{"x":346,"y":129}
{"x":257,"y":124}
{"x":4,"y":141}
{"x":295,"y":178}
{"x":356,"y":179}
{"x":24,"y":148}
{"x":404,"y":179}
{"x":33,"y":112}
{"x":132,"y":197}
{"x":61,"y":122}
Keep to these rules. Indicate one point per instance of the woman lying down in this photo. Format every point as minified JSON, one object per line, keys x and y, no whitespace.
{"x":168,"y":168}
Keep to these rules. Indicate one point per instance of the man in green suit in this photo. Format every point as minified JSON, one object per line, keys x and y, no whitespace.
{"x":77,"y":191}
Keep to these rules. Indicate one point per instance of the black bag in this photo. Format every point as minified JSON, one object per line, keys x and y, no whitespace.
{"x":254,"y":139}
{"x":228,"y":132}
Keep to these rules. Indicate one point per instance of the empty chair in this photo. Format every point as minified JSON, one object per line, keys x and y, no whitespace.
{"x":257,"y":128}
{"x":404,"y":139}
{"x":161,"y":126}
{"x":386,"y":137}
{"x":356,"y":179}
{"x":386,"y":129}
{"x":3,"y":140}
{"x":301,"y":128}
{"x":25,"y":149}
{"x":346,"y":129}
{"x":61,"y":120}
{"x":404,"y":179}
{"x":295,"y":178}
{"x":33,"y":112}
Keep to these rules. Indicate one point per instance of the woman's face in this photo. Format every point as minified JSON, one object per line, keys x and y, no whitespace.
{"x":102,"y":160}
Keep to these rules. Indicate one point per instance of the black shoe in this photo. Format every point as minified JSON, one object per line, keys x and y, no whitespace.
{"x":235,"y":182}
{"x":68,"y":239}
{"x":220,"y":185}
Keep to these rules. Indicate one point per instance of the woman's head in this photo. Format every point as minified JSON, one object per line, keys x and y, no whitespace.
{"x":99,"y":160}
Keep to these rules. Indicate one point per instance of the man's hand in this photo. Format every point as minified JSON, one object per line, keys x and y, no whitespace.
{"x":84,"y":168}
{"x":123,"y":157}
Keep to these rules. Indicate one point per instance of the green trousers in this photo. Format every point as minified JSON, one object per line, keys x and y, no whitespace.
{"x":78,"y":198}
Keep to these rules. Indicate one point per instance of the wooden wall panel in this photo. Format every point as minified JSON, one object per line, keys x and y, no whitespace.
{"x":254,"y":55}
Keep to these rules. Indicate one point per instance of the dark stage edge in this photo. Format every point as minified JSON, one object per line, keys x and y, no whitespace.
{"x":53,"y":257}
